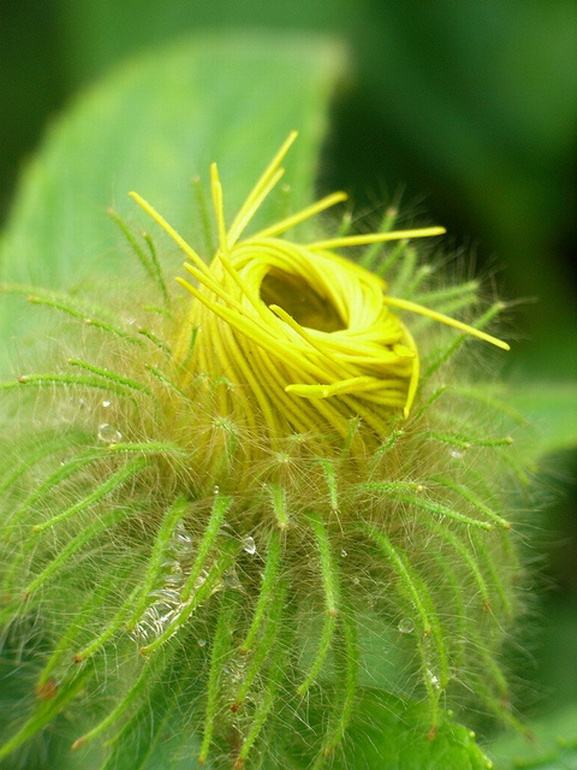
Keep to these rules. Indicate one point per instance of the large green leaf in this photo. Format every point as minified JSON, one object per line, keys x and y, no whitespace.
{"x":387,"y":733}
{"x":552,"y":410}
{"x":552,"y":745}
{"x":153,"y":126}
{"x":544,"y":413}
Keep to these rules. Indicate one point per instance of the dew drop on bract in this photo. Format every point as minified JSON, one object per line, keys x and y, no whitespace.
{"x":201,"y":579}
{"x":248,"y":545}
{"x":235,"y":671}
{"x":455,"y":453}
{"x":108,"y":434}
{"x":344,"y":553}
{"x":167,"y":594}
{"x":182,"y":540}
{"x":406,"y":626}
{"x":106,"y":404}
{"x":231,"y":580}
{"x":218,"y":586}
{"x":201,"y":642}
{"x":433,"y":679}
{"x":174,"y":578}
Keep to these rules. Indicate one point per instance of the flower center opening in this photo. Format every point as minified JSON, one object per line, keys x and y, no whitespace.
{"x":293,"y":294}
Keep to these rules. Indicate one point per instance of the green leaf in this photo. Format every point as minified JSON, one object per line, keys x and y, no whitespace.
{"x":552,"y":745}
{"x":389,"y":733}
{"x":152,"y":127}
{"x":544,"y":411}
{"x":550,"y":407}
{"x":157,"y":736}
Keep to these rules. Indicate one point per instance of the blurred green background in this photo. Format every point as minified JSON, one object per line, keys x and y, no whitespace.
{"x":469,"y":107}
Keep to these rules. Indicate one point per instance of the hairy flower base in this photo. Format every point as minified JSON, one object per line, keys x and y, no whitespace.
{"x":210,"y":509}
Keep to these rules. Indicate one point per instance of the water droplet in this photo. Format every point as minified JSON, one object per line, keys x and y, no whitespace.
{"x":216,"y":489}
{"x":182,"y":537}
{"x":433,"y":679}
{"x":175,"y":577}
{"x":248,"y":545}
{"x":235,"y":671}
{"x":106,"y":404}
{"x":456,"y":454}
{"x":406,"y":626}
{"x":218,"y":586}
{"x":201,"y":579}
{"x":201,"y":642}
{"x":344,"y":553}
{"x":168,"y":595}
{"x":231,"y":580}
{"x":108,"y":434}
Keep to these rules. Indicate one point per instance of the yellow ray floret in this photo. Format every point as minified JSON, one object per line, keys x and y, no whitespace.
{"x":305,"y":338}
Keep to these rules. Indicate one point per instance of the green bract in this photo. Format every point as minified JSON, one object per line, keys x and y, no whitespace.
{"x":191,"y":583}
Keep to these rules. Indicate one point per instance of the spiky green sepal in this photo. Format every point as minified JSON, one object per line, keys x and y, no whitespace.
{"x":146,"y":562}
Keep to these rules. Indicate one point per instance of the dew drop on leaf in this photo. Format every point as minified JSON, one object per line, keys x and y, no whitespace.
{"x":248,"y":545}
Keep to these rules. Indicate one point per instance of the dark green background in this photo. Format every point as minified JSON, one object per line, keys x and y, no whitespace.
{"x":469,"y":106}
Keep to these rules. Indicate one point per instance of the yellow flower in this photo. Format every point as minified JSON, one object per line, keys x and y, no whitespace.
{"x":253,"y":452}
{"x":307,"y":338}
